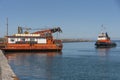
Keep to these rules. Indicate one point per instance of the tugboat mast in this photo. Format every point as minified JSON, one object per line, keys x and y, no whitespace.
{"x":7,"y":26}
{"x":103,"y":28}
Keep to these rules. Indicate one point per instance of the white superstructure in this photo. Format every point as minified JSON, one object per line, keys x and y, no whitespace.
{"x":102,"y":36}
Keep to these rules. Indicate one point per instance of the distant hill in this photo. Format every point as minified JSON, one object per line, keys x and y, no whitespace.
{"x":76,"y":40}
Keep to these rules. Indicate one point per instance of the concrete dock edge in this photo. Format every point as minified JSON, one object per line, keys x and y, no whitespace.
{"x":6,"y":73}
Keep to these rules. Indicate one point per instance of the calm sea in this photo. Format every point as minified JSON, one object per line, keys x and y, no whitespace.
{"x":78,"y":61}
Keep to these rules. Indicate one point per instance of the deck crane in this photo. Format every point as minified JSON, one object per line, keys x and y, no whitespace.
{"x":48,"y":32}
{"x":20,"y":30}
{"x":42,"y":32}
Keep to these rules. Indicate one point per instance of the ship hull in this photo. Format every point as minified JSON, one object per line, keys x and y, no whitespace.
{"x":29,"y":48}
{"x":104,"y":45}
{"x":32,"y":50}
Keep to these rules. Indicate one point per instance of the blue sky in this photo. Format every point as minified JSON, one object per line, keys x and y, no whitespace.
{"x":77,"y":18}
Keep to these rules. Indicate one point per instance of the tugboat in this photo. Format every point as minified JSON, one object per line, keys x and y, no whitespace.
{"x":104,"y":41}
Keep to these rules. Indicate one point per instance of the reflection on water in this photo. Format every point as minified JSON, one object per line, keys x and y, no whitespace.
{"x":103,"y":51}
{"x":20,"y":55}
{"x":34,"y":66}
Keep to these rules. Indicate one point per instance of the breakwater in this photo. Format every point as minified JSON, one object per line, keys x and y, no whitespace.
{"x":6,"y":73}
{"x":76,"y":40}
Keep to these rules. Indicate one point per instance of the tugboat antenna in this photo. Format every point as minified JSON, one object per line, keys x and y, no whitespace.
{"x":7,"y":26}
{"x":103,"y":28}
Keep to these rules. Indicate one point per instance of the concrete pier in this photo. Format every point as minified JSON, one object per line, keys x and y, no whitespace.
{"x":6,"y":73}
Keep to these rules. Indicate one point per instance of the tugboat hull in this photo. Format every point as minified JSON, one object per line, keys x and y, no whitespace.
{"x":104,"y":45}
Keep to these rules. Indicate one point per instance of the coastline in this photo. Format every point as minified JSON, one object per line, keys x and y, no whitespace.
{"x":76,"y":40}
{"x":6,"y":72}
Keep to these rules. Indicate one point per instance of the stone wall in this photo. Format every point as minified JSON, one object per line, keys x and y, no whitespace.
{"x":6,"y":73}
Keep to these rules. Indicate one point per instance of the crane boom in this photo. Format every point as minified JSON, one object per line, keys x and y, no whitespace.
{"x":51,"y":30}
{"x":42,"y":32}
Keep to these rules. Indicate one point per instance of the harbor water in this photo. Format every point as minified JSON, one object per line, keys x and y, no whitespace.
{"x":77,"y":61}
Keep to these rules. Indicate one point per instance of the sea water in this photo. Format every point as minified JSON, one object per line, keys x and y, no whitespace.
{"x":77,"y":61}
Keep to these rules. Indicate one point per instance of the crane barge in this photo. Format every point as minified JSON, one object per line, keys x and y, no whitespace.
{"x":42,"y":40}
